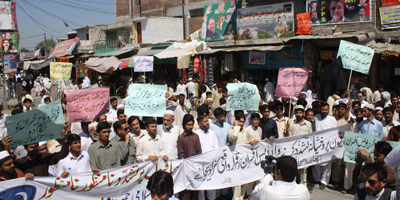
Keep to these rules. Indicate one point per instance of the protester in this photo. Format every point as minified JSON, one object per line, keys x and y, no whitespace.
{"x":126,"y":144}
{"x":86,"y":142}
{"x":360,"y":98}
{"x":77,"y":160}
{"x":376,"y":96}
{"x":389,"y":122}
{"x":378,"y":113}
{"x":284,"y":187}
{"x":150,"y":146}
{"x":169,"y":135}
{"x":191,"y":87}
{"x":359,"y":118}
{"x":268,"y":91}
{"x":181,"y":87}
{"x":220,"y":127}
{"x":254,"y":132}
{"x":370,"y":126}
{"x":112,"y":113}
{"x":216,"y":96}
{"x":268,"y":125}
{"x":73,"y":86}
{"x":161,"y":186}
{"x":280,"y":120}
{"x":135,"y":131}
{"x":182,"y":109}
{"x":8,"y":170}
{"x":27,"y":104}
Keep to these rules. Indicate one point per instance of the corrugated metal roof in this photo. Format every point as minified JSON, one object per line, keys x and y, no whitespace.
{"x":362,"y":37}
{"x":148,"y":52}
{"x":247,"y":48}
{"x":116,"y":52}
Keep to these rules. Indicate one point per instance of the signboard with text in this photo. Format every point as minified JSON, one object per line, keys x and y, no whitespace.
{"x":64,"y":48}
{"x":390,"y":17}
{"x":355,"y":57}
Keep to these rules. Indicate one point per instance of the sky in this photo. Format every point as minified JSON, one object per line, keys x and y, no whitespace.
{"x":36,"y":17}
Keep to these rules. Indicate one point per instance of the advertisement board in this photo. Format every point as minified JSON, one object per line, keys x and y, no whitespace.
{"x":268,"y":21}
{"x":10,"y":42}
{"x":10,"y":63}
{"x":390,"y":17}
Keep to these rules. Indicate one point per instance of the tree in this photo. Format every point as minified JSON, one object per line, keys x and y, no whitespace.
{"x":50,"y":43}
{"x":24,"y":50}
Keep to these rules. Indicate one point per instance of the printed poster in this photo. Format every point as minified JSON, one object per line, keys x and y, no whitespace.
{"x":219,"y":22}
{"x":339,"y":12}
{"x":303,"y":23}
{"x":268,"y":21}
{"x":6,"y":16}
{"x":389,"y":2}
{"x":64,"y":48}
{"x":10,"y":42}
{"x":257,"y":57}
{"x":10,"y":63}
{"x":390,"y":17}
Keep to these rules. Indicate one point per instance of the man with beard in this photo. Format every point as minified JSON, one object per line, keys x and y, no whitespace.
{"x":181,"y":109}
{"x":370,"y":126}
{"x":389,"y":122}
{"x":314,"y":18}
{"x":8,"y":170}
{"x":323,"y":121}
{"x":337,"y":12}
{"x":169,"y":135}
{"x":150,"y":145}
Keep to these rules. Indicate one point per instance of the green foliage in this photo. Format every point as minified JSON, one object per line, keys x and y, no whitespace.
{"x":49,"y":43}
{"x":25,"y":50}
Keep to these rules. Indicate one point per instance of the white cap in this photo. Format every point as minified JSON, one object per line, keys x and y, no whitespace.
{"x":175,"y":94}
{"x":299,"y":107}
{"x":369,"y":106}
{"x":209,"y":99}
{"x":42,"y":143}
{"x":120,"y":106}
{"x":190,"y":79}
{"x":4,"y":154}
{"x":214,"y":85}
{"x":378,"y":108}
{"x":93,"y":124}
{"x":294,"y":99}
{"x":303,"y":92}
{"x":169,"y":112}
{"x":266,"y":79}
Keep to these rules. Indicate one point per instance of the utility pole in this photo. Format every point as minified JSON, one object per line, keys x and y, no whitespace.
{"x":183,"y":19}
{"x":45,"y":45}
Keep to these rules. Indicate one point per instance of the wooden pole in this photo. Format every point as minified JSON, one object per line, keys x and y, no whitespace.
{"x":348,"y":86}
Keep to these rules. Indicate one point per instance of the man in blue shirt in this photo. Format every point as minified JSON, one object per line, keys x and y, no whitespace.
{"x":220,"y":127}
{"x":268,"y":126}
{"x":370,"y":126}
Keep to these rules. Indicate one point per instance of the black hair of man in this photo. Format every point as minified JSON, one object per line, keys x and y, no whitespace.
{"x":342,"y":105}
{"x":255,"y":116}
{"x":26,"y":100}
{"x":358,"y":110}
{"x":47,"y":99}
{"x":356,"y":103}
{"x":181,"y":95}
{"x":219,"y":86}
{"x":388,"y":109}
{"x":219,"y":111}
{"x":113,"y":99}
{"x":4,"y":160}
{"x":264,"y":107}
{"x":380,"y":86}
{"x":288,"y":167}
{"x":376,"y":168}
{"x":16,"y":111}
{"x":277,"y":104}
{"x":302,"y":101}
{"x":222,"y":101}
{"x":120,"y":112}
{"x":203,"y":88}
{"x":133,"y":118}
{"x":324,"y":104}
{"x":237,"y":112}
{"x":383,"y":147}
{"x":160,"y":183}
{"x":150,"y":121}
{"x":239,"y":116}
{"x":309,"y":110}
{"x":200,"y":118}
{"x":18,"y":106}
{"x":335,"y":107}
{"x":72,"y":138}
{"x":203,"y":110}
{"x":102,"y":125}
{"x":315,"y":104}
{"x":379,"y":104}
{"x":186,"y":119}
{"x":360,"y":93}
{"x":118,"y":124}
{"x":393,"y":94}
{"x":208,"y":93}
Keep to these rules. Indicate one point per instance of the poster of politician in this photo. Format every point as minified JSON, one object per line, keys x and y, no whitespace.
{"x":219,"y":21}
{"x":338,"y":11}
{"x":9,"y":42}
{"x":269,"y":21}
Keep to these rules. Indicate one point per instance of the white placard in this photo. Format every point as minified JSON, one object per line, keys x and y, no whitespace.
{"x":143,"y":63}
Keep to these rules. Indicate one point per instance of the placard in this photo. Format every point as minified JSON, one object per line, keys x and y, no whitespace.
{"x":143,"y":63}
{"x":146,"y":100}
{"x":291,"y":82}
{"x":242,"y":96}
{"x":40,"y":124}
{"x":257,"y":57}
{"x":60,"y":71}
{"x":355,"y":57}
{"x":88,"y":104}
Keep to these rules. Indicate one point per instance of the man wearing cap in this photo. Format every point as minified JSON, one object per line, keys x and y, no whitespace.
{"x":169,"y":135}
{"x":171,"y":101}
{"x":8,"y":170}
{"x":217,"y":95}
{"x":370,"y":126}
{"x":269,"y":91}
{"x":191,"y":88}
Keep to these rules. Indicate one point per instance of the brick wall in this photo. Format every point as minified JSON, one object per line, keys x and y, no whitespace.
{"x":122,"y":8}
{"x":195,"y":24}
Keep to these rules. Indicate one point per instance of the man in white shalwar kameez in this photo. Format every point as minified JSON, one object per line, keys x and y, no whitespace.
{"x":269,"y":91}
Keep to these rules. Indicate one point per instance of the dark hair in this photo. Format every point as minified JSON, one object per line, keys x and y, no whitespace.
{"x":120,"y":111}
{"x":383,"y":147}
{"x":380,"y":86}
{"x":335,"y":107}
{"x":208,"y":93}
{"x":18,"y":106}
{"x":393,"y":94}
{"x":203,"y":88}
{"x":150,"y":121}
{"x":255,"y":116}
{"x":356,"y":103}
{"x":309,"y":110}
{"x":388,"y":109}
{"x":219,"y":86}
{"x":186,"y":119}
{"x":219,"y":112}
{"x":181,"y":95}
{"x":264,"y":107}
{"x":200,"y":118}
{"x":203,"y":110}
{"x":324,"y":104}
{"x":102,"y":125}
{"x":360,"y":93}
{"x":222,"y":101}
{"x":342,"y":105}
{"x":315,"y":104}
{"x":277,"y":104}
{"x":379,"y":104}
{"x":118,"y":124}
{"x":47,"y":99}
{"x":4,"y":160}
{"x":239,"y":116}
{"x":288,"y":167}
{"x":237,"y":112}
{"x":113,"y":99}
{"x":358,"y":110}
{"x":376,"y":168}
{"x":133,"y":118}
{"x":161,"y":182}
{"x":16,"y":111}
{"x":72,"y":138}
{"x":302,"y":101}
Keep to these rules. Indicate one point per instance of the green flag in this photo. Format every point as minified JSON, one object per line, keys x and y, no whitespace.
{"x":65,"y":23}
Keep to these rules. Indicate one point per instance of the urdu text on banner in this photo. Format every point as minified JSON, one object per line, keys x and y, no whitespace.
{"x":291,"y":82}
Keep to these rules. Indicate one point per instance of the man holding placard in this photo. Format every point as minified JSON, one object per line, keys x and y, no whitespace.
{"x":370,"y":126}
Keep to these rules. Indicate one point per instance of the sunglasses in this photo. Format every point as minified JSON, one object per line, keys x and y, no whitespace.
{"x":279,"y":108}
{"x":370,"y":182}
{"x":126,"y":129}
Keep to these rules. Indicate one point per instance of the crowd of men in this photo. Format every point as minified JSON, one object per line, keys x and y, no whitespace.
{"x":115,"y":139}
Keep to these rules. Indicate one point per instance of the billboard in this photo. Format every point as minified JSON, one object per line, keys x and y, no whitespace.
{"x":219,"y":21}
{"x":390,"y":17}
{"x":6,"y":16}
{"x":64,"y":48}
{"x":10,"y":63}
{"x":268,"y":21}
{"x":10,"y":42}
{"x":338,"y":11}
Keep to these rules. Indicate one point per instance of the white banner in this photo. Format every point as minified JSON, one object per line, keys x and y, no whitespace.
{"x":229,"y":166}
{"x":143,"y":63}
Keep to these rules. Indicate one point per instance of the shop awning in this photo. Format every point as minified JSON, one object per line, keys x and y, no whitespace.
{"x":104,"y":65}
{"x":362,"y":37}
{"x":247,"y":48}
{"x":387,"y":50}
{"x":33,"y":64}
{"x":148,"y":52}
{"x":181,"y":51}
{"x":92,"y":59}
{"x":118,"y":52}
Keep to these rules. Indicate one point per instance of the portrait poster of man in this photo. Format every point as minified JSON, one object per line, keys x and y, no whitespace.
{"x":9,"y":42}
{"x":268,"y":21}
{"x":338,"y":11}
{"x":219,"y":21}
{"x":10,"y":63}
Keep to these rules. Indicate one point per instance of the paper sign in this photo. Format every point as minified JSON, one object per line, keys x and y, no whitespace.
{"x":352,"y":141}
{"x":60,"y":71}
{"x":146,"y":100}
{"x":41,"y":124}
{"x":143,"y":63}
{"x":291,"y":82}
{"x":242,"y":96}
{"x":303,"y":23}
{"x":88,"y":104}
{"x":355,"y":57}
{"x":393,"y":158}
